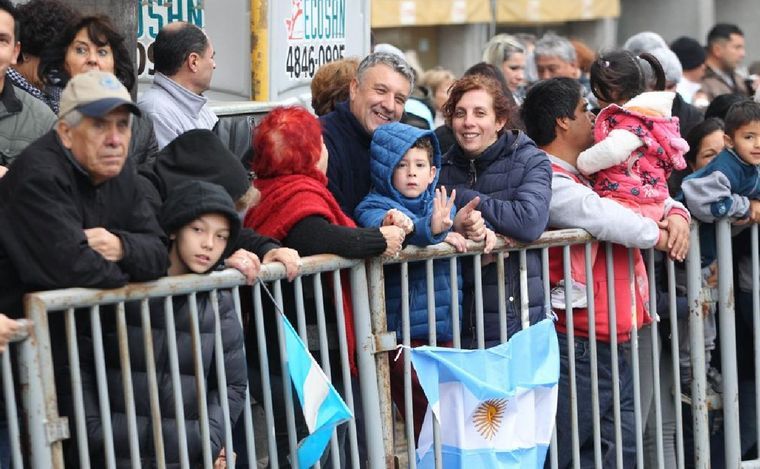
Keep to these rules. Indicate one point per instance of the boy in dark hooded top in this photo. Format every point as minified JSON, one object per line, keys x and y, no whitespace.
{"x":404,"y":171}
{"x":201,"y":221}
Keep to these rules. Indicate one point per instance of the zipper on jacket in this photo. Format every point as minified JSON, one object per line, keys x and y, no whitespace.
{"x":473,"y":174}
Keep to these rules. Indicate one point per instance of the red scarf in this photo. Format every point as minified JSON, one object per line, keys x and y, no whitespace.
{"x":285,"y":201}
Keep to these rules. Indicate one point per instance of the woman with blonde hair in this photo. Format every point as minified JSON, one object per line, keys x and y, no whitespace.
{"x":507,"y":53}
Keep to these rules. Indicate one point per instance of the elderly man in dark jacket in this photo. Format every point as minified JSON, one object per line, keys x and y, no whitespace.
{"x":71,"y":216}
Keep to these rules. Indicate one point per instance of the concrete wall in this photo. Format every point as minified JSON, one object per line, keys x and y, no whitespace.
{"x":673,"y":18}
{"x":746,"y":15}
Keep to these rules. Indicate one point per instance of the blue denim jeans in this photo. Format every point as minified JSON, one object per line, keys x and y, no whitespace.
{"x":585,"y":415}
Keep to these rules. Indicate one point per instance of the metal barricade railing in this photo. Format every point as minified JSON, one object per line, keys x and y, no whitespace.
{"x":652,"y":368}
{"x":77,"y":307}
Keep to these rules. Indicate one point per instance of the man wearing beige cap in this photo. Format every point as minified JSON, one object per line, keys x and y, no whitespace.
{"x":70,"y":210}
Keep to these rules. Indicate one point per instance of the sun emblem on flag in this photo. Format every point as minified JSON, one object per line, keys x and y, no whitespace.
{"x":488,"y":417}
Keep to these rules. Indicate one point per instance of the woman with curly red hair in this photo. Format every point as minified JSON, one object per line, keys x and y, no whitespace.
{"x":297,"y":208}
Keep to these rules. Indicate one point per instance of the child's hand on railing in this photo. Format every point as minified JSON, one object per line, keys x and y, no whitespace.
{"x":457,"y":240}
{"x":395,"y":217}
{"x":441,"y":220}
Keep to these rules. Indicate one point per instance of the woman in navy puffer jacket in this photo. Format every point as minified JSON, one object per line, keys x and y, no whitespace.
{"x":512,"y":177}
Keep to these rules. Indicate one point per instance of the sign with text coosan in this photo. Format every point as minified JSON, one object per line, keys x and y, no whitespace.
{"x":303,"y":35}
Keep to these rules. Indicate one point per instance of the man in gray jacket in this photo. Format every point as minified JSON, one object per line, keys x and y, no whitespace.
{"x":23,"y":118}
{"x":184,"y":61}
{"x":556,"y":118}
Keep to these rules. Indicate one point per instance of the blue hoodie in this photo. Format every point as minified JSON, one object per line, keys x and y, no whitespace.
{"x":390,"y":143}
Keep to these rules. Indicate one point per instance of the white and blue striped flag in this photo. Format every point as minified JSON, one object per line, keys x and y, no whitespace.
{"x":496,"y":407}
{"x":323,"y":408}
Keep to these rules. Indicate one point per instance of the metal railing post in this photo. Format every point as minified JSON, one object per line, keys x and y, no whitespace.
{"x":696,"y":331}
{"x":45,"y":427}
{"x":379,"y":325}
{"x":727,"y":329}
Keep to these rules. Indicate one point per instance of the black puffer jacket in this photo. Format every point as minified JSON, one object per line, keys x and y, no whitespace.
{"x":234,"y":364}
{"x":512,"y":177}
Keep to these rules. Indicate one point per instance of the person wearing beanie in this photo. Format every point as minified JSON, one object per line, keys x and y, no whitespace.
{"x":201,"y":222}
{"x":688,"y":115}
{"x":692,"y":56}
{"x":199,"y":155}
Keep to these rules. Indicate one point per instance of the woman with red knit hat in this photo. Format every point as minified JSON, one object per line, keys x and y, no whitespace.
{"x":297,"y":208}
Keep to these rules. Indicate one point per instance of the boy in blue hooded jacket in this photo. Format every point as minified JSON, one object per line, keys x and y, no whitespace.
{"x":404,"y":171}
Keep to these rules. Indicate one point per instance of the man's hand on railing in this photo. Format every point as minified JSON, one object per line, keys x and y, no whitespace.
{"x":676,"y":243}
{"x":8,"y":330}
{"x":246,"y":262}
{"x":105,"y":243}
{"x":469,"y":221}
{"x":288,"y":257}
{"x":3,"y":170}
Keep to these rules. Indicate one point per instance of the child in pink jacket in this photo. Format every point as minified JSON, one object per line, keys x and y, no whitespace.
{"x":638,"y":145}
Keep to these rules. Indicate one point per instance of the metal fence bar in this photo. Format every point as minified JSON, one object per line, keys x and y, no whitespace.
{"x":524,"y":297}
{"x":727,"y":329}
{"x":9,"y":393}
{"x":179,"y":405}
{"x":340,"y":315}
{"x":501,"y":291}
{"x":287,"y":388}
{"x":368,"y":374}
{"x":675,"y":362}
{"x":455,"y":311}
{"x":200,"y":381}
{"x":478,"y":280}
{"x":102,"y":384}
{"x":76,"y":388}
{"x":14,"y":437}
{"x":655,"y":341}
{"x":433,"y":340}
{"x":250,"y":437}
{"x":45,"y":427}
{"x":324,"y":348}
{"x":568,"y":279}
{"x":406,"y":340}
{"x":756,"y":318}
{"x":150,"y":368}
{"x":635,"y":365}
{"x":696,"y":332}
{"x":553,"y":457}
{"x":266,"y":384}
{"x":221,"y":381}
{"x":614,"y":355}
{"x":380,"y":325}
{"x":128,"y":389}
{"x":588,"y":249}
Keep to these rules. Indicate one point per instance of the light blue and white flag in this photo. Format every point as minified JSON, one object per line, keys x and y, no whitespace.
{"x":496,"y":407}
{"x":323,"y":408}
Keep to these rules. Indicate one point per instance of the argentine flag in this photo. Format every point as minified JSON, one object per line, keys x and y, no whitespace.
{"x":496,"y":407}
{"x":322,"y":406}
